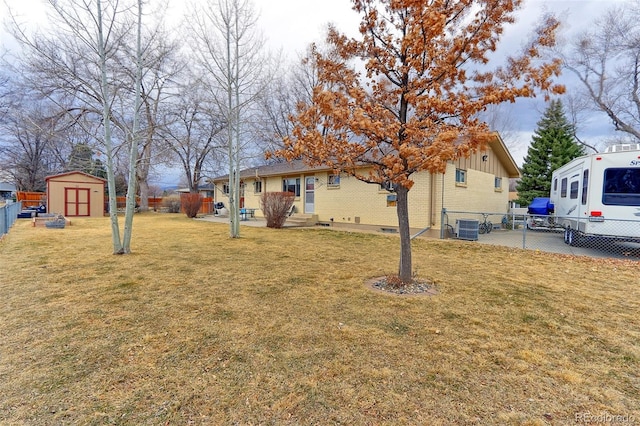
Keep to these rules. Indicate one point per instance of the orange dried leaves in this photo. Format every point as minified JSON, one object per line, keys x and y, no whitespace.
{"x":415,"y":105}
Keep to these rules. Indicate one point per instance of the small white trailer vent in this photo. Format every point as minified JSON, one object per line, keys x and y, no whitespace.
{"x":623,"y":147}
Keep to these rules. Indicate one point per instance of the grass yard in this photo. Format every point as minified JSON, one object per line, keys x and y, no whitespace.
{"x":277,"y":327}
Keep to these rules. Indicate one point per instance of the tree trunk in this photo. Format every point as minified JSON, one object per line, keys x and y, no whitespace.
{"x":142,"y":174}
{"x":143,"y":188}
{"x":402,"y":209}
{"x":113,"y":204}
{"x":234,"y":193}
{"x":133,"y":149}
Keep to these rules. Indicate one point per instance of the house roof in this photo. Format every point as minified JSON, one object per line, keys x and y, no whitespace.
{"x":7,"y":187}
{"x":206,"y":187}
{"x":295,"y":167}
{"x":76,"y":172}
{"x":276,"y":169}
{"x":500,"y":150}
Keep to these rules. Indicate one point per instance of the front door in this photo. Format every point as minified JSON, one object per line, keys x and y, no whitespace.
{"x":309,"y":194}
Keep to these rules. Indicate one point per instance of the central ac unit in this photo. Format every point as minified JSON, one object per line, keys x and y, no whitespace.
{"x":467,"y":229}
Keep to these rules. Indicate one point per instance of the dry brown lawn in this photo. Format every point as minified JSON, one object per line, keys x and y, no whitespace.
{"x":277,"y":327}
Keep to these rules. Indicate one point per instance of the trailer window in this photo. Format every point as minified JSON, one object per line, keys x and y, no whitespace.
{"x":621,"y":187}
{"x":585,"y":186}
{"x":563,"y":188}
{"x":555,"y":185}
{"x":574,"y":190}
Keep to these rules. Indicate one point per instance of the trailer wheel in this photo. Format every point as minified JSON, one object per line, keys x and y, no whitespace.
{"x":573,"y":239}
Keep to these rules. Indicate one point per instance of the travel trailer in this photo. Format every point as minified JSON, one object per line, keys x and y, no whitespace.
{"x":598,"y":195}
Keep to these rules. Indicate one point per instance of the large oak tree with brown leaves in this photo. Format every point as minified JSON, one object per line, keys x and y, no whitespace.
{"x":404,"y":96}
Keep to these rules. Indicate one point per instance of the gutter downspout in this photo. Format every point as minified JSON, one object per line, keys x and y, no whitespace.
{"x":432,"y":206}
{"x":432,"y":199}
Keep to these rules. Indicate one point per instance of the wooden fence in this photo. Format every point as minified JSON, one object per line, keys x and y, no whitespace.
{"x":31,"y":199}
{"x":207,"y":205}
{"x":34,"y":199}
{"x":156,"y":204}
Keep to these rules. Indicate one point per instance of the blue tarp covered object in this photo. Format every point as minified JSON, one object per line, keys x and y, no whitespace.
{"x":541,"y":206}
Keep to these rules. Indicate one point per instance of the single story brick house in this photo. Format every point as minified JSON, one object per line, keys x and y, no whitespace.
{"x":479,"y":183}
{"x":75,"y":194}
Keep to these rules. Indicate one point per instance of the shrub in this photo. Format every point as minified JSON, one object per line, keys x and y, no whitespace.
{"x":171,"y":203}
{"x":191,"y":204}
{"x":276,"y":207}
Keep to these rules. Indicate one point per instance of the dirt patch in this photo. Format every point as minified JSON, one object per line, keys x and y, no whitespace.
{"x":416,"y":289}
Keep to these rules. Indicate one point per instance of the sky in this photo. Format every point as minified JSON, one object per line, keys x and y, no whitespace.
{"x":290,"y":26}
{"x":285,"y":30}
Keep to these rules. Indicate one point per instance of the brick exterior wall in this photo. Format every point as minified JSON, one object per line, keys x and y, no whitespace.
{"x":356,"y":202}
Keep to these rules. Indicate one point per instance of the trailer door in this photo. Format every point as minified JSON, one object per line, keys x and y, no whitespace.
{"x":574,"y":192}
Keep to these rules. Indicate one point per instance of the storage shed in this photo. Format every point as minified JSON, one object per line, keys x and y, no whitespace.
{"x":75,"y":194}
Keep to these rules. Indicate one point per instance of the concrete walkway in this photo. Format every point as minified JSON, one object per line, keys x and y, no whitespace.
{"x":256,"y":222}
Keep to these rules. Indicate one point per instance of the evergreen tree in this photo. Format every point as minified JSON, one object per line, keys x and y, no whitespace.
{"x":553,"y":145}
{"x":98,"y":169}
{"x":81,"y":159}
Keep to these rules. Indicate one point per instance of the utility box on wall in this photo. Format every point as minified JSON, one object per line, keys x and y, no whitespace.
{"x":467,"y":229}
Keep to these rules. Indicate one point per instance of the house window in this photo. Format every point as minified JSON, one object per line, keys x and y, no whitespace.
{"x":392,"y":200}
{"x":387,"y":186}
{"x":257,"y":186}
{"x":333,"y":180}
{"x":225,"y":188}
{"x":497,"y":183}
{"x":461,"y":176}
{"x":291,"y":185}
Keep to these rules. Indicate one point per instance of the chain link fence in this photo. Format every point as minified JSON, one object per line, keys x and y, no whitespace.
{"x":8,"y":215}
{"x":595,"y":237}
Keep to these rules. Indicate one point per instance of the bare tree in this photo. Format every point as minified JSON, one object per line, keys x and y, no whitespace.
{"x":229,"y":50}
{"x":162,"y":64}
{"x":26,"y":148}
{"x":606,"y":59}
{"x":500,"y":118}
{"x":156,"y":88}
{"x":578,"y":108}
{"x":279,"y":102}
{"x":77,"y":63}
{"x":192,"y":131}
{"x":5,"y":92}
{"x":135,"y":136}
